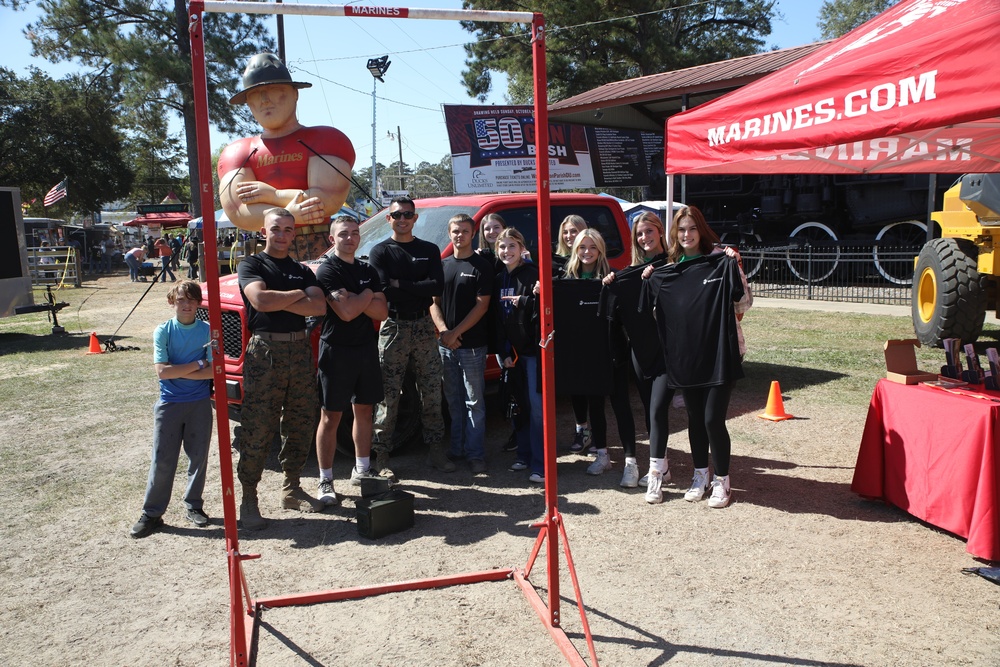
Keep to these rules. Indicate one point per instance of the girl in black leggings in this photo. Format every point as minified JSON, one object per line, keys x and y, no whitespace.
{"x":588,"y":261}
{"x":648,"y":249}
{"x":690,"y":238}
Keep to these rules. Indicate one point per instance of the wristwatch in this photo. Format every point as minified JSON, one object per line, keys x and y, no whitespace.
{"x":201,"y":364}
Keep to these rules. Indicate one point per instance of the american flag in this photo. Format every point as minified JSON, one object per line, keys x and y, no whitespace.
{"x":55,"y":194}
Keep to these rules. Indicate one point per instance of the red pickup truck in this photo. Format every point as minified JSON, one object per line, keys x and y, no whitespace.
{"x":518,"y":210}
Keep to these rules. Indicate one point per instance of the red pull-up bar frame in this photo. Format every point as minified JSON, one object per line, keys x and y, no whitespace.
{"x":243,"y":636}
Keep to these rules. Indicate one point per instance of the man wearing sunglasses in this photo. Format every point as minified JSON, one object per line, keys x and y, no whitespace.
{"x":412,"y":275}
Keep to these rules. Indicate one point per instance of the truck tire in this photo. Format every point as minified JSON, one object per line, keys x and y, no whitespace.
{"x":949,"y":294}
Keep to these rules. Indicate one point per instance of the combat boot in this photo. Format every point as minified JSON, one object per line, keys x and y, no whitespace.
{"x":382,"y":466}
{"x":294,"y":498}
{"x":250,"y":517}
{"x":436,"y":458}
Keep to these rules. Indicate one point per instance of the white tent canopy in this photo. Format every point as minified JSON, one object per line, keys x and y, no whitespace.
{"x":221,"y":221}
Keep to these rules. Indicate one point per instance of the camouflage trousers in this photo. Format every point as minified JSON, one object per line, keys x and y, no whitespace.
{"x":279,"y":396}
{"x":413,"y":344}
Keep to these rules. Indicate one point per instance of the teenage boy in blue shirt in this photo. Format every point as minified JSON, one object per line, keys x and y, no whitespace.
{"x":183,"y":414}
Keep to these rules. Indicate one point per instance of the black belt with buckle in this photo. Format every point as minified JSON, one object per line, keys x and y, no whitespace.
{"x":289,"y":337}
{"x":397,"y":315}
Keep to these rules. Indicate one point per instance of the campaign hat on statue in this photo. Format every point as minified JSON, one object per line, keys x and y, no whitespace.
{"x":264,"y":69}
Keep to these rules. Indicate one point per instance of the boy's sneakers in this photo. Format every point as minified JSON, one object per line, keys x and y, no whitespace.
{"x":536,"y":478}
{"x":358,"y":475}
{"x":518,"y":466}
{"x":721,"y":492}
{"x":582,"y":440}
{"x":326,"y":494}
{"x":630,"y":477}
{"x":699,"y":486}
{"x":146,"y":525}
{"x":654,"y":487}
{"x":197,"y":517}
{"x":600,"y":465}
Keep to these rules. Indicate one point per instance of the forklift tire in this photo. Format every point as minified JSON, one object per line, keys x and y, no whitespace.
{"x":949,"y":294}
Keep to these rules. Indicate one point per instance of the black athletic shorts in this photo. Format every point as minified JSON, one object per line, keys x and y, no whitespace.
{"x":349,"y":374}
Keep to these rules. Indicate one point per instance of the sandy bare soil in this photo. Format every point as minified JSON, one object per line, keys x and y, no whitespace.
{"x":798,"y":571}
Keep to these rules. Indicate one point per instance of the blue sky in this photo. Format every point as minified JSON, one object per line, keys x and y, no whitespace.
{"x":427,"y":61}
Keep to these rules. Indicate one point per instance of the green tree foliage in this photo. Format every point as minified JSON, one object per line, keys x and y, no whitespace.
{"x":839,"y":17}
{"x":592,"y":43}
{"x":54,"y":129}
{"x":144,"y":46}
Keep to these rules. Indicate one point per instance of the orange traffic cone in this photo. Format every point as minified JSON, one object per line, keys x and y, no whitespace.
{"x":95,"y":346}
{"x":775,"y":410}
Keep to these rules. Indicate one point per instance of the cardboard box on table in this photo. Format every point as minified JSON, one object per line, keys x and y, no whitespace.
{"x":901,"y":362}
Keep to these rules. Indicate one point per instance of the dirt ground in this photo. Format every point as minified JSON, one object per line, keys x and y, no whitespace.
{"x":798,"y":571}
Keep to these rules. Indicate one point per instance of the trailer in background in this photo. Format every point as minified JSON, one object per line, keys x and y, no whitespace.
{"x":16,"y":297}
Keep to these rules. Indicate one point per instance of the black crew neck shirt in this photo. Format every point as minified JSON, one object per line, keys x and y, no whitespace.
{"x":355,"y":277}
{"x":464,"y":281}
{"x":416,"y":265}
{"x":281,"y":275}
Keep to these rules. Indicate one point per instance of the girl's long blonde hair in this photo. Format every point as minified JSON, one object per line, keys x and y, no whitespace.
{"x":649,"y":218}
{"x":577,"y":221}
{"x":601,"y":268}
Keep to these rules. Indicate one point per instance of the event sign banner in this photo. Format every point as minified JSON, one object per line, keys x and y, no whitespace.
{"x":493,"y":150}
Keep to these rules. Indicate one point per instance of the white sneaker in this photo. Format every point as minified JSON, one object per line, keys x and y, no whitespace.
{"x":654,"y":487}
{"x":326,"y":494}
{"x":600,"y":465}
{"x":699,"y":486}
{"x":644,"y":480}
{"x":630,"y":478}
{"x":720,"y":493}
{"x":677,"y":401}
{"x":358,"y":475}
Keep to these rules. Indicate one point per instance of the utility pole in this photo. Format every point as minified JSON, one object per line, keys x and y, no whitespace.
{"x":399,"y":140}
{"x":281,"y":36}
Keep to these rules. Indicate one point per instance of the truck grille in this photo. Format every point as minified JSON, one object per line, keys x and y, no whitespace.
{"x":232,"y":332}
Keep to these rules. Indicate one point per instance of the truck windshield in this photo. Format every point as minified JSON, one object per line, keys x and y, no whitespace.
{"x":431,"y":225}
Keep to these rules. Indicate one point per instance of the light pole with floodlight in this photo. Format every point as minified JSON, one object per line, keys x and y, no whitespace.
{"x":377,"y":67}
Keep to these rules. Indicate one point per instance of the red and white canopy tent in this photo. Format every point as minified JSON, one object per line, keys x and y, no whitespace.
{"x":910,"y":91}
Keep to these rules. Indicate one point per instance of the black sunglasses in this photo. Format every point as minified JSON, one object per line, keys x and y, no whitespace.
{"x":396,"y":215}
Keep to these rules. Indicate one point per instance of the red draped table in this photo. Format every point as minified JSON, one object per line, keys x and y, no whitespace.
{"x":934,"y":454}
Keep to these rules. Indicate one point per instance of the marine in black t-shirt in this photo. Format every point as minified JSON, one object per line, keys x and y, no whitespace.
{"x":280,"y":275}
{"x":416,"y":267}
{"x":336,"y":274}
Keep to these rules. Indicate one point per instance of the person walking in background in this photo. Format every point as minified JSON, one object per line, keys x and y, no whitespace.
{"x":182,"y":417}
{"x":518,"y":332}
{"x":696,"y":299}
{"x":279,"y":373}
{"x":348,"y":367}
{"x":460,"y":317}
{"x":191,"y":256}
{"x":175,"y":251}
{"x":163,"y":248}
{"x":411,"y":275}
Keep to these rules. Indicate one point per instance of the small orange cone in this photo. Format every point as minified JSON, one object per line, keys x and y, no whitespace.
{"x":775,"y":410}
{"x":95,"y":347}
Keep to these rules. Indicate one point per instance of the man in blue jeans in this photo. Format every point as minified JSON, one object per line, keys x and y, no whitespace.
{"x":459,"y":315}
